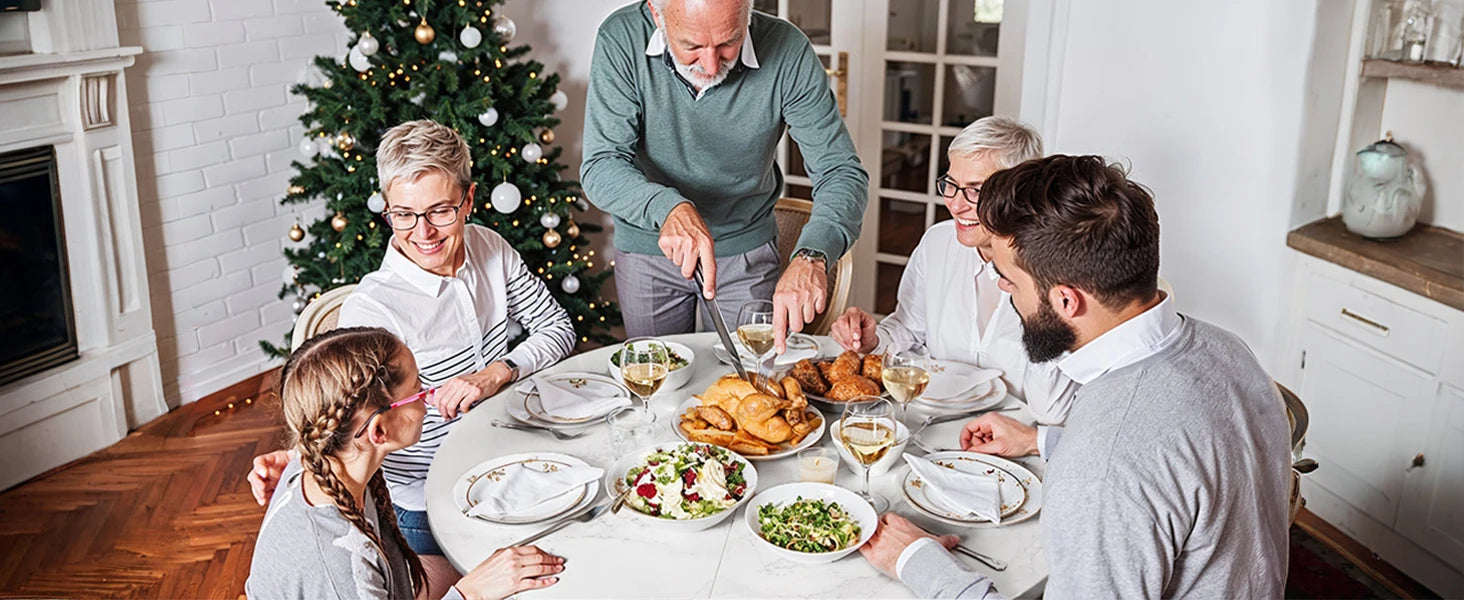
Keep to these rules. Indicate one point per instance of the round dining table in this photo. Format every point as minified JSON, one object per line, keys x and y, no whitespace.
{"x":623,"y":555}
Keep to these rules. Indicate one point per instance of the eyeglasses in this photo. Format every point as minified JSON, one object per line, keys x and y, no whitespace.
{"x":948,"y":188}
{"x":440,"y":216}
{"x":422,"y":395}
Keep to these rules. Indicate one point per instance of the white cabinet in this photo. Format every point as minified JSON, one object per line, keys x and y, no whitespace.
{"x":1379,"y":369}
{"x":1436,"y":519}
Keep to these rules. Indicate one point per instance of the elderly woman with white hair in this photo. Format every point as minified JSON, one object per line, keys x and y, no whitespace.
{"x":949,"y":299}
{"x":446,"y":289}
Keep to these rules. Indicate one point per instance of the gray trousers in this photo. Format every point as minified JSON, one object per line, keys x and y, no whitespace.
{"x":656,"y":300}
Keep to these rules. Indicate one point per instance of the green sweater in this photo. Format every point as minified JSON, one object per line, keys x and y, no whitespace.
{"x":650,"y":144}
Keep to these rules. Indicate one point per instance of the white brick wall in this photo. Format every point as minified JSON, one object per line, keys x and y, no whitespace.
{"x":215,"y":130}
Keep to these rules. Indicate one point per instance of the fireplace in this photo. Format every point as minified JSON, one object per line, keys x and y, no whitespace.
{"x":35,"y":294}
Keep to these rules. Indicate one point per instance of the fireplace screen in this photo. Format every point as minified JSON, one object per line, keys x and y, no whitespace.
{"x":36,"y":323}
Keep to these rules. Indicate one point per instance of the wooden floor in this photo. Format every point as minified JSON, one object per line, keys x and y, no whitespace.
{"x":164,"y":513}
{"x":167,"y":513}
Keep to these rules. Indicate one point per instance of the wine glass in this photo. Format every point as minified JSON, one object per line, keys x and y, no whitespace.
{"x":906,"y":372}
{"x":755,"y":329}
{"x":644,"y":363}
{"x":868,"y":430}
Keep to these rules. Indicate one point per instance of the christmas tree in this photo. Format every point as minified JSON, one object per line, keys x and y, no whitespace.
{"x":448,"y":61}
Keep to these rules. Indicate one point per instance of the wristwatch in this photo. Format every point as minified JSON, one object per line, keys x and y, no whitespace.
{"x":512,"y":367}
{"x":811,"y":255}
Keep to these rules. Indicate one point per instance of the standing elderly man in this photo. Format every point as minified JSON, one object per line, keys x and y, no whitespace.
{"x":687,"y":102}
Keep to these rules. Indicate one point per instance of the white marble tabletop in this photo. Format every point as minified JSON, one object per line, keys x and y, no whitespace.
{"x":619,"y":556}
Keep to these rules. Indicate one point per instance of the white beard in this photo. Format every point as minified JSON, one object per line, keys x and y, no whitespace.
{"x":698,"y":76}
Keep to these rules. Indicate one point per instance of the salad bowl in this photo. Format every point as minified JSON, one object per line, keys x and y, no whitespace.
{"x":676,"y":377}
{"x":690,"y":471}
{"x":855,"y":510}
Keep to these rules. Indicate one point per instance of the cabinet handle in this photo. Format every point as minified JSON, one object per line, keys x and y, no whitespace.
{"x":1365,"y":321}
{"x":1416,"y":463}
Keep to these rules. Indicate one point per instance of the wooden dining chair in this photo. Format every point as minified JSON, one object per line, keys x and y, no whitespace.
{"x":791,"y":215}
{"x":320,"y":315}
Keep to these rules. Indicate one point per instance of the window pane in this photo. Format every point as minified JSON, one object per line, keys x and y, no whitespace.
{"x":970,"y":93}
{"x":812,"y":16}
{"x":974,"y":27}
{"x":887,"y":290}
{"x":912,"y":25}
{"x":944,"y":156}
{"x":909,"y":92}
{"x":800,"y":191}
{"x":904,"y":162}
{"x":901,"y":224}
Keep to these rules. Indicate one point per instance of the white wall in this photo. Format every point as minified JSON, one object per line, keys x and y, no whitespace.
{"x":1226,"y":116}
{"x":215,"y":130}
{"x":1429,"y":121}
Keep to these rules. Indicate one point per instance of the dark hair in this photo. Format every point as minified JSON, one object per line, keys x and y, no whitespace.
{"x":1077,"y":221}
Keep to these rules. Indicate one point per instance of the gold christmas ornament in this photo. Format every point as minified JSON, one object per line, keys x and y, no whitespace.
{"x":572,"y":231}
{"x":345,"y":142}
{"x":547,"y":136}
{"x":424,"y":33}
{"x":296,"y":233}
{"x":295,"y":190}
{"x":338,"y":222}
{"x":552,"y":239}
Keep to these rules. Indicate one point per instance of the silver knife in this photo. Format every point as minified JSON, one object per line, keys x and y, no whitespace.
{"x":721,"y":325}
{"x":583,"y":517}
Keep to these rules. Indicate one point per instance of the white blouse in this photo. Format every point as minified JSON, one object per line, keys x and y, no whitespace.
{"x":454,"y":326}
{"x":938,"y":307}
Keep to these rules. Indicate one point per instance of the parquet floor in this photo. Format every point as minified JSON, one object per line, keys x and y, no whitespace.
{"x":164,"y":513}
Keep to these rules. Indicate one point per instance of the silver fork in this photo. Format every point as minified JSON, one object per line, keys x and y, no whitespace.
{"x":996,"y":565}
{"x":563,"y":435}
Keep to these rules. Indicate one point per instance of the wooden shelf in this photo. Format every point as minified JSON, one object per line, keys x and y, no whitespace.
{"x":1428,"y":261}
{"x":1440,"y":75}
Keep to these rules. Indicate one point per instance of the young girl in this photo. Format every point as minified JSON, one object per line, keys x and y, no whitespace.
{"x":350,"y":397}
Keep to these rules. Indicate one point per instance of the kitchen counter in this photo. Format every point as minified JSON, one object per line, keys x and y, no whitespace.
{"x":1428,"y":261}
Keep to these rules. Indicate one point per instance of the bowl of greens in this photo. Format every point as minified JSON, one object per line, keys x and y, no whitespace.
{"x":686,"y":486}
{"x":810,"y":523}
{"x":678,"y":362}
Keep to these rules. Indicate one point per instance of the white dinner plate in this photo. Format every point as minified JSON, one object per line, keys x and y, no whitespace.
{"x":593,"y":384}
{"x":808,"y":440}
{"x":952,"y":380}
{"x":983,"y":397}
{"x":800,"y":346}
{"x":518,"y":406}
{"x":478,"y":483}
{"x":1021,"y":490}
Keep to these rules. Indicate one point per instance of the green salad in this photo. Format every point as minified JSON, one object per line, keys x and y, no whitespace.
{"x":690,"y":481}
{"x":674,"y":361}
{"x":808,"y":526}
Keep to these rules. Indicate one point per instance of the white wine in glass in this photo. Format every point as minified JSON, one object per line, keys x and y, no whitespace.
{"x":905,"y":383}
{"x":755,"y":329}
{"x":643,"y":379}
{"x":867,"y":430}
{"x":757,"y":337}
{"x":867,"y":441}
{"x":644,"y":364}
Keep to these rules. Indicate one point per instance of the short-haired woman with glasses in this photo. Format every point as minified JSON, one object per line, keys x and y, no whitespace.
{"x":948,"y":298}
{"x":448,"y":290}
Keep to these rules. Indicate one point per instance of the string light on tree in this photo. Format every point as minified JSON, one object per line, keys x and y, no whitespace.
{"x":345,"y":142}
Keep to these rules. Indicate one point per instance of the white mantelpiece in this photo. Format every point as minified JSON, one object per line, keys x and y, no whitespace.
{"x":73,"y":98}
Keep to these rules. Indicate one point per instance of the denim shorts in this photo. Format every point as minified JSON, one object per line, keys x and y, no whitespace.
{"x":413,"y":524}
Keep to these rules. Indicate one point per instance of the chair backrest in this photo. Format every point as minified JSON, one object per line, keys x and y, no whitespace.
{"x":791,"y":215}
{"x":320,"y":316}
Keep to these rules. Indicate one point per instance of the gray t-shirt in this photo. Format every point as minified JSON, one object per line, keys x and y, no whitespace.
{"x":312,"y":552}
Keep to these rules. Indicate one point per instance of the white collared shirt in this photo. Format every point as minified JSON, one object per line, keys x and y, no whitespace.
{"x":454,"y":326}
{"x":657,"y":46}
{"x":938,"y":307}
{"x":1131,"y":341}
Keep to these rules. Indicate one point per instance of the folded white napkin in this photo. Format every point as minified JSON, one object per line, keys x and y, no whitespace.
{"x":561,"y":399}
{"x":961,"y":493}
{"x":524,"y":485}
{"x":955,"y":381}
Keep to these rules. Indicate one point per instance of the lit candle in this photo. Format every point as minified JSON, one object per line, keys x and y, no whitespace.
{"x":818,"y":465}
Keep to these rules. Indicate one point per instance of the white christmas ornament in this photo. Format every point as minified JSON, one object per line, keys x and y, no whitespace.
{"x":489,"y":117}
{"x":505,"y":28}
{"x":559,"y":99}
{"x":532,"y":152}
{"x":358,"y":61}
{"x":308,"y":149}
{"x":470,"y":37}
{"x":447,"y":56}
{"x":368,"y":45}
{"x":376,"y":203}
{"x":506,"y":197}
{"x":570,"y":284}
{"x":549,"y":220}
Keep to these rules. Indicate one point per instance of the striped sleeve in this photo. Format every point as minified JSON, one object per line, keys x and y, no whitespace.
{"x":551,"y":334}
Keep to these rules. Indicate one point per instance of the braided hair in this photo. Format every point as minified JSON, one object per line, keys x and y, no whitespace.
{"x":326,"y":382}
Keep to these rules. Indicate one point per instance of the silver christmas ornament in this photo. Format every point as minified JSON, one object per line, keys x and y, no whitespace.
{"x":447,"y":56}
{"x":506,"y":197}
{"x":488,"y":117}
{"x":559,"y":99}
{"x":570,"y":285}
{"x":367,"y":44}
{"x":532,"y":152}
{"x":358,"y":61}
{"x":308,"y":149}
{"x":505,"y":28}
{"x":470,"y":37}
{"x":549,"y":220}
{"x":376,"y":203}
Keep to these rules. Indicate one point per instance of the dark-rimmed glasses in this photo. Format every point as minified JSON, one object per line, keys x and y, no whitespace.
{"x":381,"y":411}
{"x":437,"y":216}
{"x":948,"y":188}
